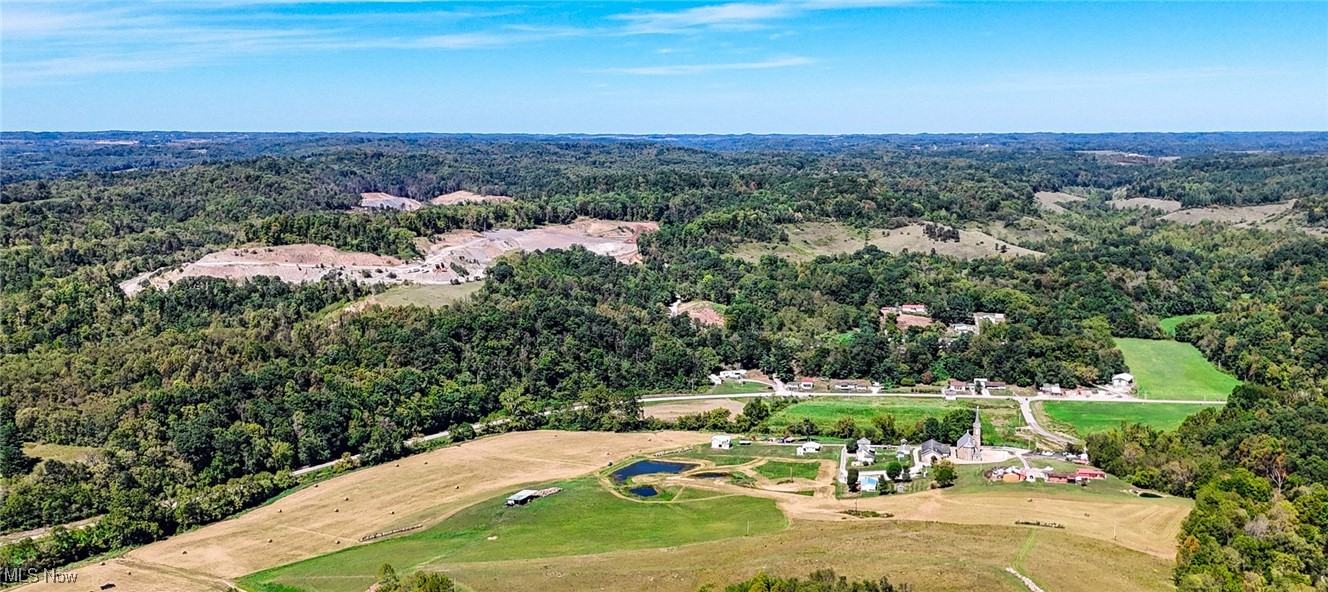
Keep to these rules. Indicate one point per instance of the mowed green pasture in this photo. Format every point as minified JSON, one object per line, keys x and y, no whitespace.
{"x":584,"y":518}
{"x":730,"y":387}
{"x":1174,"y":370}
{"x":777,"y":469}
{"x":1169,"y":324}
{"x":1087,"y":417}
{"x":1000,"y":417}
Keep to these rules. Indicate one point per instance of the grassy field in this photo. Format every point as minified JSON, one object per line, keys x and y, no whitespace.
{"x":809,"y":240}
{"x":1174,"y":370}
{"x":430,"y":296}
{"x":778,"y":469}
{"x":744,"y":454}
{"x":729,"y":387}
{"x":58,"y":452}
{"x":999,"y":417}
{"x":573,"y":522}
{"x":1086,"y":417}
{"x":1169,"y":324}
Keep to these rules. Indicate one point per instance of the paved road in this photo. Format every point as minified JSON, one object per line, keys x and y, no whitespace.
{"x":1026,"y":407}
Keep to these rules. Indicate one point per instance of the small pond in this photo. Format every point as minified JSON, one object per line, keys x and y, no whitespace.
{"x":646,"y":467}
{"x":644,"y":491}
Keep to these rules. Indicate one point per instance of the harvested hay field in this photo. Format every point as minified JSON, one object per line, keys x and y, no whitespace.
{"x":1052,"y":200}
{"x":968,"y":558}
{"x":1237,"y":215}
{"x":810,"y":240}
{"x":1166,"y":205}
{"x":387,"y":201}
{"x":446,"y":256}
{"x":462,"y":197}
{"x":421,"y":489}
{"x":672,"y":411}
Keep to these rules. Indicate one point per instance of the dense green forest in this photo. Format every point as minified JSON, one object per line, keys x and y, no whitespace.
{"x":202,"y":399}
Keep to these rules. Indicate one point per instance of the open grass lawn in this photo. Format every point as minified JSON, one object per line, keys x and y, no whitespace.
{"x":729,"y":387}
{"x":427,"y":295}
{"x":1086,"y":417}
{"x":60,"y":452}
{"x":583,"y":519}
{"x":744,"y":454}
{"x":1000,"y":417}
{"x":1169,"y":324}
{"x":1174,"y":370}
{"x":778,"y":469}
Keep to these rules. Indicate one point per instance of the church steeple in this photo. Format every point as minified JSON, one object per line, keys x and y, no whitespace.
{"x":977,"y":427}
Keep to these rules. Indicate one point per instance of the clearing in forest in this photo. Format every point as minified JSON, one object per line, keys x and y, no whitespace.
{"x":1087,"y":417}
{"x":1052,"y":200}
{"x":812,"y":239}
{"x":424,"y":295}
{"x":453,"y":257}
{"x":1238,"y":215}
{"x":1169,"y":324}
{"x":1166,"y":205}
{"x":1174,"y":370}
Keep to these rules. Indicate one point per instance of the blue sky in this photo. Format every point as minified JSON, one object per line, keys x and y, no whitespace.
{"x":793,"y":66}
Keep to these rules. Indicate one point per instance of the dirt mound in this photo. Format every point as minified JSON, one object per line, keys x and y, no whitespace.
{"x":460,"y":197}
{"x":387,"y":201}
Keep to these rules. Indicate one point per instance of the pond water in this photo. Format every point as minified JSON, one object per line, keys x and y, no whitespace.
{"x":645,"y":491}
{"x":710,"y":475}
{"x":646,"y":467}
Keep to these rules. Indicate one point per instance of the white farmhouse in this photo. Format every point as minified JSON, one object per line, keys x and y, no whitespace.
{"x":721,"y":442}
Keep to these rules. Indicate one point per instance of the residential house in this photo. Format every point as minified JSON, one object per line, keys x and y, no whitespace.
{"x":721,"y":442}
{"x":733,"y":374}
{"x":809,"y":448}
{"x":994,"y":318}
{"x":866,"y":454}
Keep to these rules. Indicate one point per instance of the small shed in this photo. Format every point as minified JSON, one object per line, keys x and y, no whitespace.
{"x":721,"y":442}
{"x":1122,"y":380}
{"x":522,"y":497}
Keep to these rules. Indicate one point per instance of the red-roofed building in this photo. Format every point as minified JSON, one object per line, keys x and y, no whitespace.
{"x":1089,"y":473}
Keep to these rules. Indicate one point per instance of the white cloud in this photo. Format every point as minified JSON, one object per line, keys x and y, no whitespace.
{"x":682,"y":69}
{"x":737,"y":15}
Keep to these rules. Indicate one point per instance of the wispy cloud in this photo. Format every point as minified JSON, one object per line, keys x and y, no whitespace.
{"x":682,"y":69}
{"x":734,"y":16}
{"x":738,"y":15}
